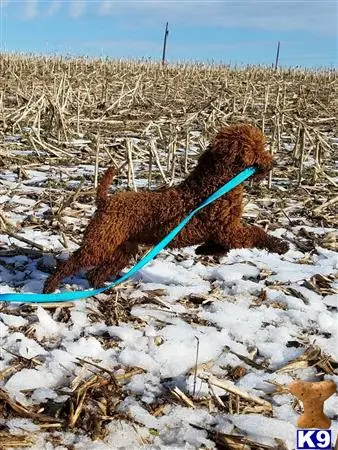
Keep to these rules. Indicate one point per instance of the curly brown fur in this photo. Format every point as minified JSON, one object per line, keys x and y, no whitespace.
{"x":102,"y":189}
{"x":127,"y":219}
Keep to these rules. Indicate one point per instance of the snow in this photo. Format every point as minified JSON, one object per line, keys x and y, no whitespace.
{"x":169,"y":273}
{"x":169,"y":351}
{"x":331,"y":300}
{"x":262,"y":428}
{"x":16,"y":425}
{"x":30,"y":379}
{"x":13,"y":321}
{"x":47,"y":327}
{"x":247,"y":303}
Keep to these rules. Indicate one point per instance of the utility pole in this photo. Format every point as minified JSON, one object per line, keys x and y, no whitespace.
{"x":165,"y":43}
{"x":277,"y":56}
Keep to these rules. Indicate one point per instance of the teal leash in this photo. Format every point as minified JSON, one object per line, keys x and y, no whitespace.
{"x":78,"y":295}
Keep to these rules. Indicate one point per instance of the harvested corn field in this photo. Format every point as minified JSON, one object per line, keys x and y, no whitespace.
{"x":195,"y":351}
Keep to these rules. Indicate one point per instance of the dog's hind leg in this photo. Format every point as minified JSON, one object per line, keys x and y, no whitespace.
{"x":77,"y":261}
{"x":113,"y":265}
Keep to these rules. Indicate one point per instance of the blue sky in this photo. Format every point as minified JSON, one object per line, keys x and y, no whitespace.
{"x":238,"y":31}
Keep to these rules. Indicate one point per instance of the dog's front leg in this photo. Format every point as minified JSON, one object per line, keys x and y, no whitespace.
{"x":261,"y":239}
{"x":246,"y":236}
{"x":211,"y":248}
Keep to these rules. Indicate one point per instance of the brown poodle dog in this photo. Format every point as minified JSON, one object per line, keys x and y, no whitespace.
{"x":127,"y":219}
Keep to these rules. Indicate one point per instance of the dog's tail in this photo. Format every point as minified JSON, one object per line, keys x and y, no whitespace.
{"x":102,"y":189}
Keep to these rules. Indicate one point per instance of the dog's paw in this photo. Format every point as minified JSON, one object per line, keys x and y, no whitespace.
{"x":49,"y":286}
{"x":211,"y":248}
{"x":201,"y":250}
{"x":48,"y":289}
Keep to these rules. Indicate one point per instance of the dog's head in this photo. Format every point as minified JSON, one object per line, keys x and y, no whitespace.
{"x":241,"y":146}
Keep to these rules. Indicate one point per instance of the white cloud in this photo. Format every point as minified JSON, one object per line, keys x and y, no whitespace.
{"x":319,"y":16}
{"x":54,"y":7}
{"x":30,"y":9}
{"x":77,"y":8}
{"x":106,"y":7}
{"x":313,"y":16}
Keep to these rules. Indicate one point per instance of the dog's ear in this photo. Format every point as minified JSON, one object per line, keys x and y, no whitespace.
{"x":233,"y":150}
{"x":222,"y":146}
{"x":246,"y":155}
{"x":207,"y":158}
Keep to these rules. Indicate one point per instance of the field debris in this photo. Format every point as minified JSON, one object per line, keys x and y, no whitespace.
{"x":193,"y":351}
{"x":312,"y":356}
{"x":230,"y":387}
